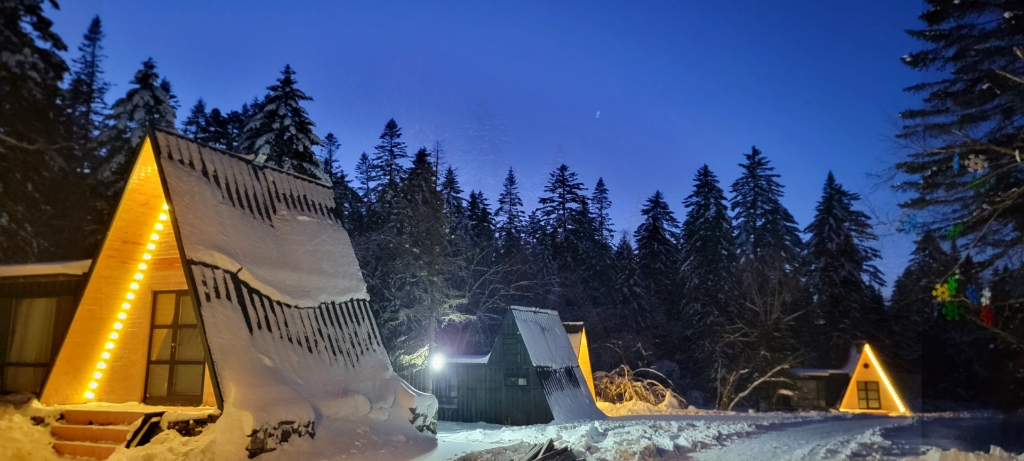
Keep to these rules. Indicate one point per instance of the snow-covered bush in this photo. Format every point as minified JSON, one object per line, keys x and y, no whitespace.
{"x":623,"y":385}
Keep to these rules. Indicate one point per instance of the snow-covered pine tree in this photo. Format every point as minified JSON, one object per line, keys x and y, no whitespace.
{"x":840,"y":274}
{"x":480,"y":219}
{"x":708,"y":257}
{"x":218,"y":130}
{"x":630,"y":291}
{"x":766,"y":232}
{"x":600,"y":203}
{"x":452,"y":193}
{"x":281,"y":132}
{"x":347,"y":203}
{"x":510,"y":215}
{"x":31,"y":70}
{"x":657,"y":253}
{"x":563,"y":210}
{"x":146,"y":104}
{"x":384,"y":173}
{"x":195,"y":126}
{"x":84,"y":99}
{"x":364,"y":177}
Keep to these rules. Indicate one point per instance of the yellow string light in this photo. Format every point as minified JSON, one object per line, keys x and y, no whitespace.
{"x":109,"y":345}
{"x":885,"y":379}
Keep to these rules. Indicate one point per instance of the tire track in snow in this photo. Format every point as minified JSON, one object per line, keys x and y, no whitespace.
{"x":817,"y":440}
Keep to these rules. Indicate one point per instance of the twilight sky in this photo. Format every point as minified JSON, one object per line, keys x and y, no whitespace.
{"x":640,"y":93}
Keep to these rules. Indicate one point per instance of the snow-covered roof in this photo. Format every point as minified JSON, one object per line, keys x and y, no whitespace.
{"x":558,"y":367}
{"x":469,"y":358}
{"x":575,"y":332}
{"x":851,"y":365}
{"x":51,"y":268}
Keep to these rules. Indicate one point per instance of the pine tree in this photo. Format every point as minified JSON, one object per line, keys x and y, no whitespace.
{"x":510,"y":213}
{"x":479,"y":217}
{"x":840,"y":274}
{"x":452,"y":193}
{"x":913,"y":307}
{"x":364,"y":176}
{"x":147,"y":104}
{"x":708,"y":257}
{"x":196,"y":124}
{"x":600,"y":204}
{"x":630,"y":292}
{"x":218,"y":130}
{"x":766,"y":233}
{"x":657,"y":252}
{"x":385,"y":167}
{"x":281,"y":132}
{"x":85,"y":101}
{"x":561,"y":209}
{"x":31,"y":70}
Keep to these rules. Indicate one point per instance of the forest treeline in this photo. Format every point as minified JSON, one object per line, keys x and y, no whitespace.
{"x":719,"y":292}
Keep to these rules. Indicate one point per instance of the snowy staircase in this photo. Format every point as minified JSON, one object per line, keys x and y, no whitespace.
{"x":93,"y":433}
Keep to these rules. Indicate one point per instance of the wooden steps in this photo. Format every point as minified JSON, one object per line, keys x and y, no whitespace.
{"x":93,"y":433}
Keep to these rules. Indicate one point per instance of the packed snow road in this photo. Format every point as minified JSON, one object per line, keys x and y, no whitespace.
{"x":831,"y":438}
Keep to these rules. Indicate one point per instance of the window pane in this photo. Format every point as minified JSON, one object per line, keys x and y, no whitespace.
{"x":860,"y":385}
{"x":157,"y":386}
{"x":161,"y":344}
{"x":23,"y":379}
{"x":190,"y":345}
{"x":872,"y":385}
{"x":188,"y":379}
{"x":163,"y":311}
{"x":186,"y":313}
{"x":32,"y":330}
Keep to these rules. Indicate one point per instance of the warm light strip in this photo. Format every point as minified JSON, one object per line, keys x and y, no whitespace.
{"x":130,"y":295}
{"x":885,"y":379}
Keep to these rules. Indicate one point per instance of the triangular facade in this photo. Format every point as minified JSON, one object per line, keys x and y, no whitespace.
{"x":871,"y":390}
{"x":578,"y":337}
{"x":225,"y":284}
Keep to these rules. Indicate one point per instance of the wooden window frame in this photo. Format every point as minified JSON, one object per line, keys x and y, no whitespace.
{"x":65,"y":302}
{"x":171,"y":398}
{"x":864,"y":400}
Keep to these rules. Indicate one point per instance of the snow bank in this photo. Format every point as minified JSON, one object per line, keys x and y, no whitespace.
{"x":20,"y":439}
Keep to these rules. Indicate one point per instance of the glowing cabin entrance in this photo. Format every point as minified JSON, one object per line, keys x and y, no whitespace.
{"x":176,"y":355}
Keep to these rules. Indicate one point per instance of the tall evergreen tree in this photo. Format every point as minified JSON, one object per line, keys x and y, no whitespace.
{"x":479,"y":217}
{"x":766,"y":232}
{"x":196,"y":125}
{"x":562,"y":208}
{"x":386,"y":166}
{"x":657,"y":252}
{"x":630,"y":291}
{"x":840,"y":274}
{"x":281,"y":131}
{"x":600,"y":204}
{"x":512,"y":218}
{"x":708,"y":257}
{"x":347,"y":203}
{"x":452,"y":193}
{"x":364,"y":176}
{"x":85,"y":98}
{"x":31,"y":70}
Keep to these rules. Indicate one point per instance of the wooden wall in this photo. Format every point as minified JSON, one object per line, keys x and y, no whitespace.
{"x":125,"y":375}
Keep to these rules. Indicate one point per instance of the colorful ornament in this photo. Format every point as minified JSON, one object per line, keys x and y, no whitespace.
{"x":955,"y":232}
{"x":956,"y":163}
{"x":986,"y":296}
{"x":952,"y":311}
{"x":908,"y":225}
{"x":987,"y":316}
{"x":951,"y":286}
{"x":972,"y":295}
{"x":941,"y":293}
{"x":976,"y":163}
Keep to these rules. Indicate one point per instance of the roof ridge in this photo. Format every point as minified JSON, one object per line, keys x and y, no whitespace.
{"x":242,"y":157}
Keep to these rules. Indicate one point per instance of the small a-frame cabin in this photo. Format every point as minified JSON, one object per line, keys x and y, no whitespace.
{"x":871,"y":390}
{"x":531,"y":376}
{"x":225,"y":287}
{"x":578,"y":337}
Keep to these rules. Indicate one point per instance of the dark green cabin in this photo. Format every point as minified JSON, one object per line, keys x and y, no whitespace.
{"x":531,"y":376}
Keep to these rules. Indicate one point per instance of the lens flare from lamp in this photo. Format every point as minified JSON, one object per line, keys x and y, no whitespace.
{"x":437,"y":361}
{"x":90,"y":395}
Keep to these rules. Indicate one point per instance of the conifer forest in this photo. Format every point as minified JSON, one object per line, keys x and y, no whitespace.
{"x":718,"y":292}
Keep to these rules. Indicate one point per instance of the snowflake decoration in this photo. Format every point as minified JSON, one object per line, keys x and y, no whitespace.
{"x":972,"y":294}
{"x":987,"y":316}
{"x":955,"y":232}
{"x":986,"y":296}
{"x":976,"y":163}
{"x":908,"y":225}
{"x":952,"y":311}
{"x":941,"y":293}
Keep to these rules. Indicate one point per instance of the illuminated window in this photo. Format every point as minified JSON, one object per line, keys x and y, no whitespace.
{"x":868,"y":397}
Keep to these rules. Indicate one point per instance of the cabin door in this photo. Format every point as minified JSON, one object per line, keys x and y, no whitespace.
{"x":176,"y":356}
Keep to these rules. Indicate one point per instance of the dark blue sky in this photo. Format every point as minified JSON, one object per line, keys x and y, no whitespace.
{"x":814,"y":84}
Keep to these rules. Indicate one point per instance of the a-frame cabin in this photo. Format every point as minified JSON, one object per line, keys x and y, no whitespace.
{"x":224,"y":285}
{"x":871,"y":390}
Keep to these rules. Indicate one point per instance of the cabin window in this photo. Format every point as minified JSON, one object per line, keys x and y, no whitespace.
{"x":510,"y":348}
{"x":177,"y":360}
{"x":810,"y":393}
{"x":32,"y":329}
{"x":446,"y":389}
{"x":517,"y":378}
{"x":868,"y":397}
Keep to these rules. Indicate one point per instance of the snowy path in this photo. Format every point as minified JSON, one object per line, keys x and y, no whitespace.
{"x":832,"y":438}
